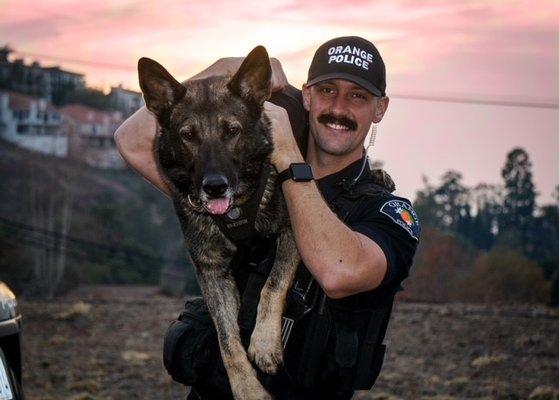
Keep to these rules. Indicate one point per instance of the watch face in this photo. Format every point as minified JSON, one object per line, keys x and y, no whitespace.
{"x":301,"y":172}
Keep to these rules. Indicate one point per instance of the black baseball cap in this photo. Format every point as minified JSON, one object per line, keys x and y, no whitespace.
{"x":352,"y":58}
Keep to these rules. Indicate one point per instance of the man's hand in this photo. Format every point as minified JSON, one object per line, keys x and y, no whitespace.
{"x":286,"y":150}
{"x":279,"y":80}
{"x":230,"y":65}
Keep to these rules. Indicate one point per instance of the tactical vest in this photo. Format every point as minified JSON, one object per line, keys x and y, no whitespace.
{"x":325,"y":342}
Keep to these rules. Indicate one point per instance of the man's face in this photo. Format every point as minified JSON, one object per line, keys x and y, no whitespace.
{"x":340,"y":115}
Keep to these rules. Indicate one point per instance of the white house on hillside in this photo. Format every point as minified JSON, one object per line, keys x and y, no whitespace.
{"x":32,"y":123}
{"x":91,"y":133}
{"x":127,"y":101}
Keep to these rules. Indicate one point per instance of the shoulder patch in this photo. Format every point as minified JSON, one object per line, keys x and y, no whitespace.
{"x":404,"y":215}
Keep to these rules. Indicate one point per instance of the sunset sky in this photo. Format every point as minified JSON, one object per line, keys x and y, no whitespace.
{"x":497,"y":50}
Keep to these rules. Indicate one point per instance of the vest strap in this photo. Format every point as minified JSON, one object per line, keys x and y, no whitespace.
{"x":257,"y":276}
{"x":376,"y":330}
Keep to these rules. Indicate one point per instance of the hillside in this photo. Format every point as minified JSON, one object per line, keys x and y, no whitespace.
{"x":119,"y":228}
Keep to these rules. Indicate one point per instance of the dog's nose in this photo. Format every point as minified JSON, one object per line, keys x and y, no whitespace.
{"x":215,"y":185}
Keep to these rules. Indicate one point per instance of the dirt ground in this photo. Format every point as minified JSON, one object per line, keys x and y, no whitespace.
{"x":106,"y":343}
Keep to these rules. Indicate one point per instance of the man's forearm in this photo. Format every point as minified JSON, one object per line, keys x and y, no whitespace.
{"x":344,"y":262}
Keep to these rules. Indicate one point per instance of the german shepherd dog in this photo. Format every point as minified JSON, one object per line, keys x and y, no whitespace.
{"x":213,"y":146}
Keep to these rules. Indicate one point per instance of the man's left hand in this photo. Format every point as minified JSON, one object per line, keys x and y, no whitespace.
{"x":286,"y":150}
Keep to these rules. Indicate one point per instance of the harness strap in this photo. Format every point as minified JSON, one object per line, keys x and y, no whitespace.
{"x":257,"y":277}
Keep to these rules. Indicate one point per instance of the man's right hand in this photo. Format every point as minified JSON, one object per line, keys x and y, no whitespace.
{"x":286,"y":150}
{"x":230,"y":65}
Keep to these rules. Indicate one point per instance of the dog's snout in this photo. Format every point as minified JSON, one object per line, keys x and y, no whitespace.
{"x":215,"y":185}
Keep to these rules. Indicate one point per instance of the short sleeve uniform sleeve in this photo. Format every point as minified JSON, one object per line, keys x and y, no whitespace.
{"x":392,"y":223}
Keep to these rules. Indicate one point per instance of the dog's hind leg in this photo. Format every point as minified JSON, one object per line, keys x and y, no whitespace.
{"x":265,"y":343}
{"x":222,"y":299}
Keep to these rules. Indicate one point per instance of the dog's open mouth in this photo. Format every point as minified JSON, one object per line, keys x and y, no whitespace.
{"x":218,"y":206}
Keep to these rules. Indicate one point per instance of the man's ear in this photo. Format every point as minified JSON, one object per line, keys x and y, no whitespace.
{"x":380,"y":109}
{"x":306,"y":97}
{"x":160,"y":89}
{"x":252,"y":81}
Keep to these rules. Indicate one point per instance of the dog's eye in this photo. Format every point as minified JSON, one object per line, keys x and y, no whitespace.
{"x":186,"y":133}
{"x":234,"y":130}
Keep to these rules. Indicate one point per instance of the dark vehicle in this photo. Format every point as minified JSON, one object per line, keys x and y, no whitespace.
{"x":10,"y":346}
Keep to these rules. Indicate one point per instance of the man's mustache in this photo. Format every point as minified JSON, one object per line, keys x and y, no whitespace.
{"x":332,"y":119}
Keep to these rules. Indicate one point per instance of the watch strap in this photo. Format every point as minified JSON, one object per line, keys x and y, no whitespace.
{"x":283,"y":176}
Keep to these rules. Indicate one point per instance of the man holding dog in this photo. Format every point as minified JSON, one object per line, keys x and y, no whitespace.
{"x":358,"y":262}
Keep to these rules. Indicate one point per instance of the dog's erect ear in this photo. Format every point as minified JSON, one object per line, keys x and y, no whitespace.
{"x":160,"y":89}
{"x":253,"y":80}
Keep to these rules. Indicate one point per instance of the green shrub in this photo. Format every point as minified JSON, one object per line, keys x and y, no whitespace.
{"x":505,"y":275}
{"x":442,"y":263}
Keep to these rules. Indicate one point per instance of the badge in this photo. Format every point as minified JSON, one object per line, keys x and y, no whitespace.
{"x":234,"y":213}
{"x":404,"y":215}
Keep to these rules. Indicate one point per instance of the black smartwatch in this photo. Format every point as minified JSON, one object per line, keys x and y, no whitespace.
{"x":299,"y":172}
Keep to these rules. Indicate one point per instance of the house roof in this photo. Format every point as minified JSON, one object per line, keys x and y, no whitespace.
{"x":56,"y":68}
{"x":121,"y":89}
{"x":89,"y":115}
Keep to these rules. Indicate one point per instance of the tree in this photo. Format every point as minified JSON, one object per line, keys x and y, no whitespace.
{"x":519,"y":200}
{"x":453,"y":197}
{"x":487,"y":201}
{"x":426,"y":207}
{"x":88,"y":97}
{"x":441,"y":265}
{"x":51,"y":205}
{"x":546,"y":234}
{"x":546,"y":245}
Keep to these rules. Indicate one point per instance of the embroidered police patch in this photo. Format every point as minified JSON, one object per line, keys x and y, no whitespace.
{"x":404,"y":215}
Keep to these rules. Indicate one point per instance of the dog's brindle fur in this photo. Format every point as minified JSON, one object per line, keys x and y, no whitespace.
{"x":216,"y":127}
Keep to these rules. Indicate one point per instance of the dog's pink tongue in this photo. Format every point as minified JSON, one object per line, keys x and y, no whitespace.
{"x":218,"y":206}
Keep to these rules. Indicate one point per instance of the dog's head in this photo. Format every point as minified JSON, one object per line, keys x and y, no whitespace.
{"x":214,"y":137}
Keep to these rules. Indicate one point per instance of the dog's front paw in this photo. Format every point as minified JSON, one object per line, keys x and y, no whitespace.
{"x":265,"y":350}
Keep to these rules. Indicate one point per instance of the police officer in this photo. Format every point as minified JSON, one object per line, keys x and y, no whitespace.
{"x":356,"y":240}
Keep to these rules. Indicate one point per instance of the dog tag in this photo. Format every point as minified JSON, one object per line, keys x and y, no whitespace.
{"x":234,"y":213}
